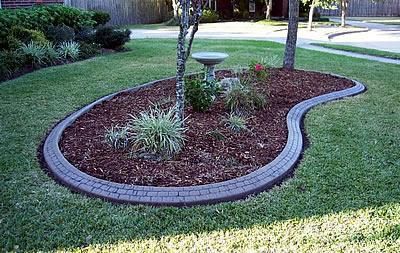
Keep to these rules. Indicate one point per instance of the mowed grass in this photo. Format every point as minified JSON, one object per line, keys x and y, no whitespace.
{"x":360,"y":50}
{"x":344,"y":196}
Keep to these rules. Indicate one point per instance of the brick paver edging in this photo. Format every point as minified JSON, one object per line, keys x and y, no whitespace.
{"x":237,"y":188}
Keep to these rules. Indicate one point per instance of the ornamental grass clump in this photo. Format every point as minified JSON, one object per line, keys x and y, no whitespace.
{"x":243,"y":99}
{"x":157,"y":132}
{"x":69,"y":50}
{"x":236,"y":123}
{"x":117,"y":137}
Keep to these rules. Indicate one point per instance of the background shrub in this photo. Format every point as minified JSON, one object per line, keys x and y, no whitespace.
{"x":41,"y":17}
{"x":89,"y":50}
{"x":199,"y":94}
{"x":10,"y":62}
{"x":61,"y":33}
{"x":111,"y":38}
{"x":26,"y":35}
{"x":86,"y":35}
{"x":100,"y":17}
{"x":209,"y":16}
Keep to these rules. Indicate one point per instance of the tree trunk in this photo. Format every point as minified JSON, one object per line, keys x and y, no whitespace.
{"x":175,"y":9}
{"x":344,"y":5}
{"x":311,"y":15}
{"x":191,"y":13}
{"x":291,"y":39}
{"x":269,"y":9}
{"x":181,"y":60}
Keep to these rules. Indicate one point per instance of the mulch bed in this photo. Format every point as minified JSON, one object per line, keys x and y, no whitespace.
{"x":212,"y":153}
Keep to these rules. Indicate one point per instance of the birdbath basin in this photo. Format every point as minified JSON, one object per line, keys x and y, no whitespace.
{"x":209,"y":60}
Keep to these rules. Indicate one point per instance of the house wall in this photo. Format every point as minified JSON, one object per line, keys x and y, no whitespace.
{"x":26,"y":3}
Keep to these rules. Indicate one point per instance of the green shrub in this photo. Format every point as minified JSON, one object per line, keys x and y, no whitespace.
{"x":117,"y":137}
{"x":199,"y":94}
{"x":236,"y":123}
{"x":27,"y":35}
{"x":10,"y":62}
{"x":111,"y":38}
{"x":209,"y":16}
{"x":86,"y":35}
{"x":89,"y":50}
{"x":100,"y":17}
{"x":158,"y":132}
{"x":244,"y":99}
{"x":69,"y":50}
{"x":61,"y":33}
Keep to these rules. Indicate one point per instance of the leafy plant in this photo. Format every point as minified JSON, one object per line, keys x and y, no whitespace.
{"x":69,"y":50}
{"x":158,"y":132}
{"x":259,"y":70}
{"x":244,"y":99}
{"x":117,"y":137}
{"x":199,"y":94}
{"x":26,"y":35}
{"x":236,"y":123}
{"x":111,"y":38}
{"x":58,"y":34}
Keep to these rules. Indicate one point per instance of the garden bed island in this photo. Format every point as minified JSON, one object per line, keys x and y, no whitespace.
{"x":215,"y":153}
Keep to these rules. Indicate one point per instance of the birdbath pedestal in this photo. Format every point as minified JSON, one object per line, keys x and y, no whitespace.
{"x":209,"y":60}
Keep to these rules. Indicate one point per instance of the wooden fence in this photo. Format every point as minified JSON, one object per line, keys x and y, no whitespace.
{"x":125,"y":12}
{"x":367,"y":8}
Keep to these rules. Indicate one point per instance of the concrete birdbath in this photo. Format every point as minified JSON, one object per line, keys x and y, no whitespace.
{"x":209,"y":60}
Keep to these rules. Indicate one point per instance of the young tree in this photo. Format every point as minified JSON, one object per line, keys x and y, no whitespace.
{"x":316,"y":3}
{"x":269,"y":9}
{"x":344,"y":4}
{"x":189,"y":15}
{"x":291,"y":39}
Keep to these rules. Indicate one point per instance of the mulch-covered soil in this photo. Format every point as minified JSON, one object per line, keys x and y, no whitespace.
{"x":212,"y":152}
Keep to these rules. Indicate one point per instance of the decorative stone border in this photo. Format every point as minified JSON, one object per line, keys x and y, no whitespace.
{"x":234,"y":189}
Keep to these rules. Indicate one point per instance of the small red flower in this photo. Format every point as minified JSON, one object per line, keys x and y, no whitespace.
{"x":259,"y":67}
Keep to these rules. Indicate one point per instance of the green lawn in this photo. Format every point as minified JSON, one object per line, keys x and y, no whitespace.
{"x":345,"y":195}
{"x":360,"y":50}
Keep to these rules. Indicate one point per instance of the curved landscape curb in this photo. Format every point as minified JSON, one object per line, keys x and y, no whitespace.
{"x":234,"y":189}
{"x":333,"y":35}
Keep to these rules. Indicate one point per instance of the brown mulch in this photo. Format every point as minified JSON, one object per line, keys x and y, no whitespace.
{"x":206,"y":157}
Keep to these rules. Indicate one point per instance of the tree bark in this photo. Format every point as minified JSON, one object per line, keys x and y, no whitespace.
{"x":291,"y":39}
{"x":344,"y":4}
{"x":175,"y":8}
{"x":311,"y":15}
{"x":269,"y":9}
{"x":191,"y":12}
